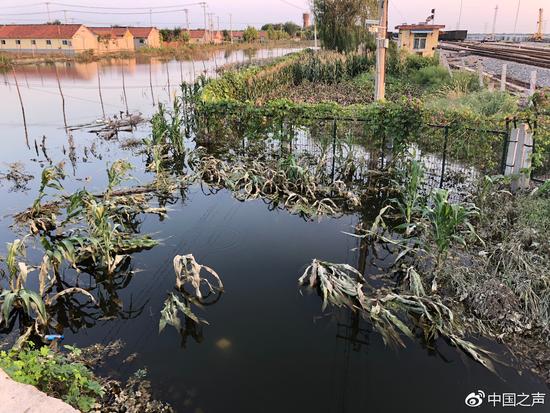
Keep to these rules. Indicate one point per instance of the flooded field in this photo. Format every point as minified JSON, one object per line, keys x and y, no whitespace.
{"x":268,"y":346}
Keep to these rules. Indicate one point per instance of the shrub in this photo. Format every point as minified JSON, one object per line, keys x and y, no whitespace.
{"x":431,"y":76}
{"x":54,"y":374}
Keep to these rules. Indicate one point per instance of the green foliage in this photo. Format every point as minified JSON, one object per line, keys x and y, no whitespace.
{"x":53,"y":374}
{"x":5,"y":63}
{"x":171,"y":35}
{"x":449,"y":222}
{"x":166,"y":128}
{"x":534,"y":211}
{"x":341,"y":24}
{"x":51,"y":178}
{"x":483,"y":103}
{"x":431,"y":76}
{"x":409,"y":201}
{"x":251,"y":34}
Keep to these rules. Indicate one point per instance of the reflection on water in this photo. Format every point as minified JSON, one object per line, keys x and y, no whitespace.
{"x":268,"y":346}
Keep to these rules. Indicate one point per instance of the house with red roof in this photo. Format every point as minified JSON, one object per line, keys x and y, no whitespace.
{"x":145,"y":37}
{"x":201,"y":36}
{"x":47,"y":38}
{"x":113,"y":39}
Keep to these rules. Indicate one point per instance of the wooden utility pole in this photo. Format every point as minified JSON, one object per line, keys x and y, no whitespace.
{"x":203,"y":4}
{"x":493,"y":36}
{"x":381,"y":45}
{"x":231,"y":27}
{"x":186,"y":19}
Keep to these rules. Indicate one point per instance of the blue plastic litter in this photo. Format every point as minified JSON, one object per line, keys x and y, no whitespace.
{"x":54,"y":337}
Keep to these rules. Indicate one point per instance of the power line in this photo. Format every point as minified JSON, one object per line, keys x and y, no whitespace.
{"x":93,"y":12}
{"x":125,"y":8}
{"x":293,"y":5}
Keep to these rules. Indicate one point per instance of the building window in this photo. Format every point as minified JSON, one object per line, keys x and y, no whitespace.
{"x":141,"y":41}
{"x":33,"y":42}
{"x":48,"y":42}
{"x":419,"y":42}
{"x":65,"y":42}
{"x":18,"y":42}
{"x":3,"y":42}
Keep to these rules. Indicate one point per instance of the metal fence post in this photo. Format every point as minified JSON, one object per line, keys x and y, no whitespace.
{"x":444,"y":156}
{"x":333,"y":148}
{"x":505,"y":147}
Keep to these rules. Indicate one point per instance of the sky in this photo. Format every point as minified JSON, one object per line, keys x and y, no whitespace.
{"x":477,"y":15}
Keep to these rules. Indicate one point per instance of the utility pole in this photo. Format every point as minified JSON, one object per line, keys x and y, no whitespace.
{"x":381,"y":44}
{"x":150,"y":17}
{"x":210,"y":26}
{"x":48,"y":9}
{"x":494,"y":22}
{"x":314,"y":24}
{"x":459,"y":16}
{"x":203,"y":5}
{"x":231,"y":27}
{"x":65,"y":14}
{"x":186,"y":19}
{"x":516,"y":19}
{"x":218,"y":19}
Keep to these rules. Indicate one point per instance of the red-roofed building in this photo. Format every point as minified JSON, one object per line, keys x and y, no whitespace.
{"x":47,"y":38}
{"x":202,"y":36}
{"x":113,"y":39}
{"x":145,"y":36}
{"x":422,"y":38}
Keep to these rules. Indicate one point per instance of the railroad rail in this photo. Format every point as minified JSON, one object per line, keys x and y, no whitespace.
{"x":533,"y":56}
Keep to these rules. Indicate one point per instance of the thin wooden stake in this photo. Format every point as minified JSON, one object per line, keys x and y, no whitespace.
{"x":168,"y":82}
{"x":62,"y":98}
{"x":151,"y":83}
{"x":533,"y":83}
{"x":22,"y":107}
{"x":124,"y":90}
{"x":99,"y":88}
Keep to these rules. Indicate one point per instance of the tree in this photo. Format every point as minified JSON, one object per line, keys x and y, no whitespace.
{"x":226,"y":35}
{"x":250,"y":34}
{"x":273,"y":34}
{"x":185,"y":37}
{"x":341,"y":23}
{"x":291,"y":28}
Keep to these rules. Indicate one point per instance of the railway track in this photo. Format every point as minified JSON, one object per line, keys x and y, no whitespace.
{"x":520,"y":54}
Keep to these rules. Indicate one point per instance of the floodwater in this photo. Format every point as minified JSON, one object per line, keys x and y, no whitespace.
{"x":269,"y":347}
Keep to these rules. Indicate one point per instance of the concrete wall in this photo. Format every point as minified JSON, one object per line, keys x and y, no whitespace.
{"x":406,"y":42}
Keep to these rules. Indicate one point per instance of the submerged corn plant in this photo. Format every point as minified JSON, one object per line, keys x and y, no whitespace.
{"x":288,"y":183}
{"x":31,"y":309}
{"x":392,"y":313}
{"x":188,"y":272}
{"x":409,"y":201}
{"x":449,"y":222}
